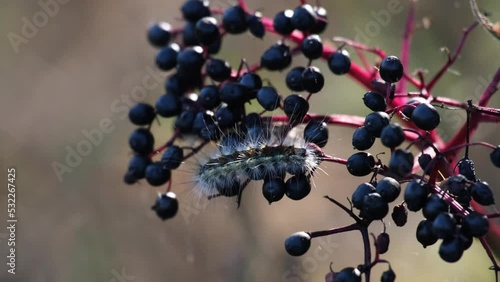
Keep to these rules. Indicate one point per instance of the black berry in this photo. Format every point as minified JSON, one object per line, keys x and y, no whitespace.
{"x":166,"y":205}
{"x":339,"y":62}
{"x":362,"y":139}
{"x":159,"y":34}
{"x":141,"y":141}
{"x":316,"y":132}
{"x":392,"y":135}
{"x":298,"y":187}
{"x":391,"y":69}
{"x":360,"y":164}
{"x":298,"y":243}
{"x":425,"y":116}
{"x":374,"y":101}
{"x":157,"y":174}
{"x":141,"y":114}
{"x":388,"y":188}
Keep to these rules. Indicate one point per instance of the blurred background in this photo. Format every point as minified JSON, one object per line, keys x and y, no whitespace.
{"x":82,"y":66}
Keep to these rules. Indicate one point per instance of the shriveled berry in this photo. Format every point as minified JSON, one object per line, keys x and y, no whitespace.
{"x":360,"y":164}
{"x":475,"y":224}
{"x":348,"y":274}
{"x":282,"y":22}
{"x":166,"y":205}
{"x":495,"y":156}
{"x":424,"y":233}
{"x":157,"y":174}
{"x":141,"y":114}
{"x":374,"y":101}
{"x":482,"y":194}
{"x":312,"y":47}
{"x":389,"y":188}
{"x":159,"y":34}
{"x":312,"y":80}
{"x":316,"y":132}
{"x":255,"y":25}
{"x":295,"y":108}
{"x":391,"y":69}
{"x":294,"y":79}
{"x":359,"y":194}
{"x":168,"y":105}
{"x":234,"y":20}
{"x":218,"y":70}
{"x":374,"y":207}
{"x":451,"y":249}
{"x":399,"y":215}
{"x":173,"y":157}
{"x":382,"y":244}
{"x":362,"y":139}
{"x":339,"y":62}
{"x":425,"y":116}
{"x":193,"y":10}
{"x":455,"y":184}
{"x":415,"y":195}
{"x":376,"y":121}
{"x":268,"y":98}
{"x":273,"y":189}
{"x":278,"y":57}
{"x":392,"y":135}
{"x":303,"y":18}
{"x":466,"y":168}
{"x":207,"y":30}
{"x":298,"y":243}
{"x":298,"y":187}
{"x":401,"y":162}
{"x":388,"y":276}
{"x":166,"y":59}
{"x":444,"y":225}
{"x":141,"y":141}
{"x":434,"y":206}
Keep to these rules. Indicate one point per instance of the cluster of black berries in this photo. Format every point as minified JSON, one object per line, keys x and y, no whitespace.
{"x":207,"y":97}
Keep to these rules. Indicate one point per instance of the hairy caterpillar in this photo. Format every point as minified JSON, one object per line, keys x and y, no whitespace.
{"x":259,"y":153}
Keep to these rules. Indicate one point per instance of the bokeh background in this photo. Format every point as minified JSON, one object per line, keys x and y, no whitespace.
{"x":89,"y":58}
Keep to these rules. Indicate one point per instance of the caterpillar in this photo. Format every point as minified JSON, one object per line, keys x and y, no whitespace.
{"x":257,"y":154}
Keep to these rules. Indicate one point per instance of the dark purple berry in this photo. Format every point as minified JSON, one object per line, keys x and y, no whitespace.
{"x":252,"y":82}
{"x":424,"y":161}
{"x":173,"y":157}
{"x":189,"y":37}
{"x":268,"y":98}
{"x":482,"y":194}
{"x":316,"y":132}
{"x":295,"y":108}
{"x":388,"y":276}
{"x":209,"y":97}
{"x":193,"y":10}
{"x":362,"y":139}
{"x":424,"y":233}
{"x":376,"y":121}
{"x":207,"y":30}
{"x":304,"y":18}
{"x":298,"y":187}
{"x":234,"y":20}
{"x":157,"y":174}
{"x":312,"y":47}
{"x":451,"y":249}
{"x":434,"y":206}
{"x":444,"y":225}
{"x":312,"y":80}
{"x":374,"y":101}
{"x":278,"y":57}
{"x":415,"y":195}
{"x":166,"y":205}
{"x":225,"y":117}
{"x":232,"y":93}
{"x":136,"y":168}
{"x":282,"y":22}
{"x":389,"y":188}
{"x":391,"y":69}
{"x":475,"y":224}
{"x":141,"y":141}
{"x":359,"y":194}
{"x":273,"y":189}
{"x":348,"y":274}
{"x":166,"y":59}
{"x":401,"y":162}
{"x":255,"y":25}
{"x":339,"y":62}
{"x":294,"y":79}
{"x":392,"y":135}
{"x":168,"y":105}
{"x":466,"y":168}
{"x":141,"y":114}
{"x":298,"y":243}
{"x":159,"y":34}
{"x":360,"y":164}
{"x":425,"y":116}
{"x":495,"y":156}
{"x":190,"y":61}
{"x":218,"y":70}
{"x":321,"y":20}
{"x":411,"y":105}
{"x":455,"y":184}
{"x":374,"y":207}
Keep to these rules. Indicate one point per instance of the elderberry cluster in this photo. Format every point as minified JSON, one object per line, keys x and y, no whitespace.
{"x":207,"y":100}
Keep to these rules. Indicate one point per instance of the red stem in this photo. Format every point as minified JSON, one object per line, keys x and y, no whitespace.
{"x":405,"y":48}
